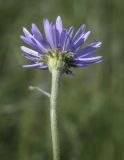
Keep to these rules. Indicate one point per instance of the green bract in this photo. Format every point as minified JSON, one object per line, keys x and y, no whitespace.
{"x":59,"y":61}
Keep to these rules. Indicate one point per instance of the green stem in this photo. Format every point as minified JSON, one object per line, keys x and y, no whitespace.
{"x":53,"y":115}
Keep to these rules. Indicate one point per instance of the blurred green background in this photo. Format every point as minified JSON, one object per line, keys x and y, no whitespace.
{"x":91,"y":104}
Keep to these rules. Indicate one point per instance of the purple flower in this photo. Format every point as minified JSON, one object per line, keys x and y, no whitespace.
{"x":59,"y":43}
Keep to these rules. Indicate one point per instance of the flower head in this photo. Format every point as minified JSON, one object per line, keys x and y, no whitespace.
{"x":60,"y":49}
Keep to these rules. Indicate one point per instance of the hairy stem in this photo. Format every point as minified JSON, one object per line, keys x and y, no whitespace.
{"x":53,"y":115}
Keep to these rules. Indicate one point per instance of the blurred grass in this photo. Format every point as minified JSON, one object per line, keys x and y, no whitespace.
{"x":91,"y":110}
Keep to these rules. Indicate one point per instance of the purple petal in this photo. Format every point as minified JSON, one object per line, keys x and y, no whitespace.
{"x":88,"y":50}
{"x":27,"y":33}
{"x":62,"y":38}
{"x":80,"y":65}
{"x":33,"y":59}
{"x":85,"y":37}
{"x":30,"y":51}
{"x":88,"y":60}
{"x":78,"y":44}
{"x":40,"y":46}
{"x":37,"y":35}
{"x":88,"y":55}
{"x":81,"y":40}
{"x":68,"y":38}
{"x":43,"y":67}
{"x":57,"y":38}
{"x":28,"y":41}
{"x":53,"y":31}
{"x":59,"y":24}
{"x":32,"y":65}
{"x":35,"y":44}
{"x":80,"y":31}
{"x":36,"y":32}
{"x":36,"y":66}
{"x":48,"y":32}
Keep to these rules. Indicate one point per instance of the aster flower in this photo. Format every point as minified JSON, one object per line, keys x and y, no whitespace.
{"x":58,"y":52}
{"x":60,"y":45}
